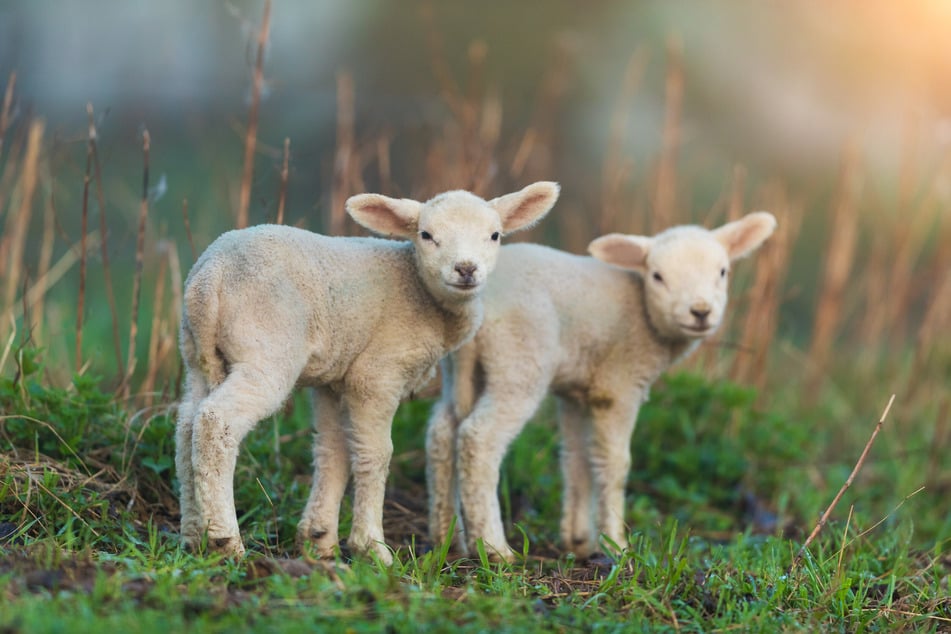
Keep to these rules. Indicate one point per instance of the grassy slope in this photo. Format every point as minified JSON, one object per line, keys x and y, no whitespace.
{"x":721,"y":495}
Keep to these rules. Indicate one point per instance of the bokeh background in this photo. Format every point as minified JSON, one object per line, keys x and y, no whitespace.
{"x":835,"y":116}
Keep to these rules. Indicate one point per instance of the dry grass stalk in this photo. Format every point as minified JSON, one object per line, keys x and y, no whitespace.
{"x":139,"y":261}
{"x":665,"y":191}
{"x":46,"y":256}
{"x":18,"y":222}
{"x":104,"y":235}
{"x":848,"y":483}
{"x":7,"y":104}
{"x":84,"y":225}
{"x":345,"y":159}
{"x":617,"y":166}
{"x":251,"y":135}
{"x":156,"y":332}
{"x":383,"y":163}
{"x":764,"y":296}
{"x":282,"y":194}
{"x":188,"y":228}
{"x":935,"y":325}
{"x":838,"y":264}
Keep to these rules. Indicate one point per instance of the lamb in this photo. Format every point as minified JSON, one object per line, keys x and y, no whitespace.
{"x":362,"y":321}
{"x":594,"y":331}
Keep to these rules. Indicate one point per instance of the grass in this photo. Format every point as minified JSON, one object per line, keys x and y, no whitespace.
{"x":717,"y":506}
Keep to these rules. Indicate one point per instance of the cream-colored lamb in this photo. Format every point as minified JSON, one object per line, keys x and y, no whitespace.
{"x":594,"y":331}
{"x":361,"y":320}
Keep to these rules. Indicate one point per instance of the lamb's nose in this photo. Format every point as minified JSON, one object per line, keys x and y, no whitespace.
{"x":466,"y":269}
{"x":701,"y":311}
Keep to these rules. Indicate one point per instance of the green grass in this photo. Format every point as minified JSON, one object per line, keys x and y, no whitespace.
{"x":723,"y":490}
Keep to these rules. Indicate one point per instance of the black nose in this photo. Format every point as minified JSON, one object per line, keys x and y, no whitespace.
{"x":700,"y":314}
{"x":466,"y":269}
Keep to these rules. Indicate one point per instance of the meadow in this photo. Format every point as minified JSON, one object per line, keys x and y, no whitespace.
{"x":793,"y":475}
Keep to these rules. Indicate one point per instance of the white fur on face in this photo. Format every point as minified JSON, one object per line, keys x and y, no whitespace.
{"x":457,"y":244}
{"x":686,"y":280}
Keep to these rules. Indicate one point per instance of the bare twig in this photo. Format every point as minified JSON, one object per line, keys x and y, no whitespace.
{"x":251,"y":136}
{"x":848,"y":483}
{"x":104,"y":239}
{"x":7,"y":102}
{"x":18,"y":224}
{"x":282,"y":195}
{"x":188,"y":227}
{"x":344,"y":151}
{"x":139,"y":259}
{"x":84,"y":225}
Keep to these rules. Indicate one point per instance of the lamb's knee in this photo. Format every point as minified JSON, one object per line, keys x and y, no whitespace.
{"x":440,"y":434}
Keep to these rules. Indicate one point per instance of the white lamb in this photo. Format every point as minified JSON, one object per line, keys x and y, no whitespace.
{"x":594,"y":331}
{"x":363,"y":321}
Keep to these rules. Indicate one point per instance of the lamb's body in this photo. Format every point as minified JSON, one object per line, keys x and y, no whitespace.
{"x":363,"y":321}
{"x":317,"y":299}
{"x":584,"y":331}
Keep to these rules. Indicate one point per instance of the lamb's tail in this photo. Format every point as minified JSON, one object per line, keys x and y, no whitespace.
{"x":199,"y":336}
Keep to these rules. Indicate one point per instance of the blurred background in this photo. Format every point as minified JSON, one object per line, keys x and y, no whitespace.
{"x":834,"y":116}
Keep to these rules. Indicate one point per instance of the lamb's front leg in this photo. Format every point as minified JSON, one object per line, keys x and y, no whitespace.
{"x":319,"y":524}
{"x":371,"y":447}
{"x":577,"y":521}
{"x":610,"y":450}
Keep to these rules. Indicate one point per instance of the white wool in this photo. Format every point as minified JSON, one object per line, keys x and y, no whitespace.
{"x":363,"y":321}
{"x":594,"y":331}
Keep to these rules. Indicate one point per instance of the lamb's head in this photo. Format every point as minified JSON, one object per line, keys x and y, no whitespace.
{"x":456,"y":234}
{"x":686,"y":270}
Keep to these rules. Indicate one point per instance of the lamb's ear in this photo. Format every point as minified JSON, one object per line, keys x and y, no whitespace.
{"x":386,"y":216}
{"x":523,"y":208}
{"x":742,"y":237}
{"x":626,"y":251}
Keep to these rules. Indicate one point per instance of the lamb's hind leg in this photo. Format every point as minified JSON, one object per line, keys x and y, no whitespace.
{"x":577,"y":522}
{"x":484,"y":437}
{"x":319,"y":524}
{"x":371,"y":448}
{"x":196,"y":389}
{"x":224,"y":418}
{"x":440,"y":474}
{"x":612,"y":427}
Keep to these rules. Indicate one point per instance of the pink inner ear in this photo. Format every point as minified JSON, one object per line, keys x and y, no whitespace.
{"x":620,"y":251}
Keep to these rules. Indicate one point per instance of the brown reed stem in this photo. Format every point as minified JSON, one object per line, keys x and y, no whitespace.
{"x":46,"y":257}
{"x":343,"y":154}
{"x":282,"y":195}
{"x":251,"y":135}
{"x":84,"y":225}
{"x":383,"y":163}
{"x":148,"y":385}
{"x":139,"y":261}
{"x":839,"y":257}
{"x":665,"y":194}
{"x":7,"y":103}
{"x":16,"y":238}
{"x":104,"y":239}
{"x":848,"y":483}
{"x":188,"y":227}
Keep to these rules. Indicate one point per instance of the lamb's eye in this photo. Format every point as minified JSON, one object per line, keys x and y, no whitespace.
{"x":425,"y":235}
{"x":496,"y":236}
{"x":723,"y":272}
{"x":658,"y":277}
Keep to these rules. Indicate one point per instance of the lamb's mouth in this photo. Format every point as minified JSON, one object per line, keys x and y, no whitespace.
{"x":467,"y":287}
{"x":697,"y":329}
